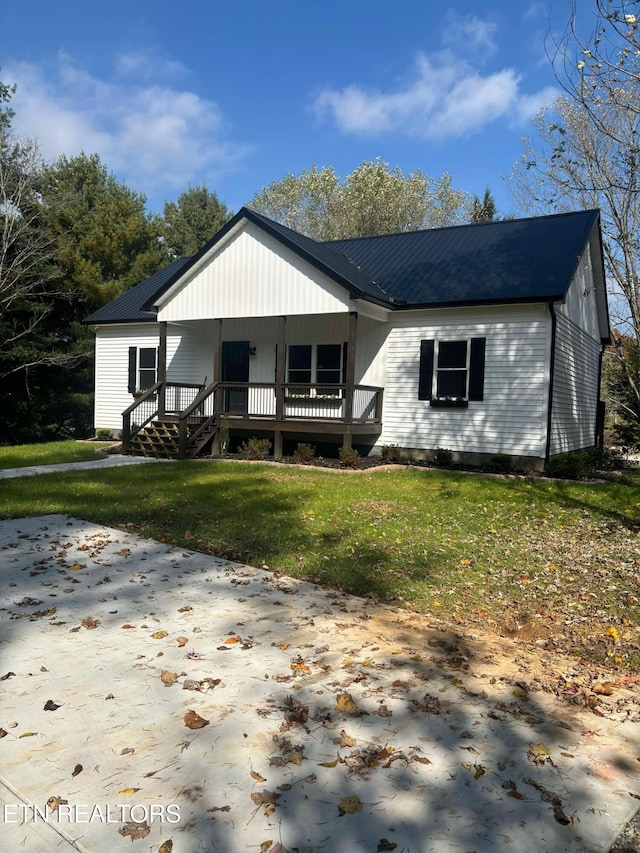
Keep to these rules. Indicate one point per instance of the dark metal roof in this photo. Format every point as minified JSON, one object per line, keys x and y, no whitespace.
{"x":129,"y":308}
{"x":517,"y":260}
{"x":514,"y":260}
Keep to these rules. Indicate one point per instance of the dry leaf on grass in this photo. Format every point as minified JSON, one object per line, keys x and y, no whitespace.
{"x":192,"y":720}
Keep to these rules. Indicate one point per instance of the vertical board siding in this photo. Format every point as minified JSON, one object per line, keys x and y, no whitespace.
{"x":511,"y":418}
{"x":254,"y":276}
{"x":575,"y":388}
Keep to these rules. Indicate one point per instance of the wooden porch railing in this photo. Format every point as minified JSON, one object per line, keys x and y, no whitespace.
{"x":197,"y":408}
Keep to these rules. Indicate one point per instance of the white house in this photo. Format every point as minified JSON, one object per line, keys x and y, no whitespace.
{"x":482,"y":339}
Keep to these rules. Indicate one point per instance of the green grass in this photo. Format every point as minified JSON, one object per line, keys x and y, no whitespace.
{"x":50,"y":453}
{"x":531,"y":558}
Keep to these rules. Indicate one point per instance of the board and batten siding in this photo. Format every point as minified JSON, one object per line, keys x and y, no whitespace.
{"x":253,"y":275}
{"x":576,"y":368}
{"x":511,"y":419}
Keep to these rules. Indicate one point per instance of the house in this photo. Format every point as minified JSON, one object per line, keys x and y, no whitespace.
{"x":481,"y":339}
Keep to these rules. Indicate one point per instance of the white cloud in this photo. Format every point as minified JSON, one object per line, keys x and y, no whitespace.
{"x":154,"y":135}
{"x":470,"y":34}
{"x":447,"y":98}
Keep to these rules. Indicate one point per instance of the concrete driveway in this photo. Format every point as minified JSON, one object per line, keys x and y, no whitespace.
{"x":163,"y":700}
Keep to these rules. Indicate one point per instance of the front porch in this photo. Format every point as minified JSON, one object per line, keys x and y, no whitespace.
{"x":175,"y":420}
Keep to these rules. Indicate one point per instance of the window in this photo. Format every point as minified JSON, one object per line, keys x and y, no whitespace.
{"x":452,"y":372}
{"x":143,"y":368}
{"x":316,"y":364}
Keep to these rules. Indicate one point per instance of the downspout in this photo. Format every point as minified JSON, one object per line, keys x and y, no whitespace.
{"x":552,"y":359}
{"x":598,"y":439}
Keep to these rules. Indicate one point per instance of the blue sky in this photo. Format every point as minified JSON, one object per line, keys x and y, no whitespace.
{"x":236,"y":94}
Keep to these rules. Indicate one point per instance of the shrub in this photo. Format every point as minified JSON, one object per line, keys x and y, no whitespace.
{"x":567,"y":466}
{"x":304,"y":454}
{"x":349,"y":457}
{"x":103,"y":434}
{"x":255,"y":448}
{"x":502,"y":463}
{"x":602,"y":459}
{"x":443,"y":458}
{"x":391,"y":453}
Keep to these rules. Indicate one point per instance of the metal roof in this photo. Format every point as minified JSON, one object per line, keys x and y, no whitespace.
{"x":515,"y":260}
{"x":128,"y":308}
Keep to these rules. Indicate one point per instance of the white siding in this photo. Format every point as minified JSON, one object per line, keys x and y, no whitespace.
{"x":575,"y":388}
{"x":253,"y":276}
{"x":189,"y":359}
{"x":112,"y":369}
{"x":512,"y":418}
{"x":576,"y":364}
{"x":580,"y":305}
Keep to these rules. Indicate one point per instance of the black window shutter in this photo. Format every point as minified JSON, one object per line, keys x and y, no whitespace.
{"x":425,"y":381}
{"x":476,"y":369}
{"x":133,"y":366}
{"x":345,"y":351}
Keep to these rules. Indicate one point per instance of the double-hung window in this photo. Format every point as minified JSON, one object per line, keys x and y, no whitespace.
{"x":452,"y":371}
{"x":320,"y":364}
{"x":143,"y":368}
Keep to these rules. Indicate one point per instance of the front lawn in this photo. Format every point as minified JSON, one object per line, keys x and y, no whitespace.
{"x":552,"y":563}
{"x":50,"y":453}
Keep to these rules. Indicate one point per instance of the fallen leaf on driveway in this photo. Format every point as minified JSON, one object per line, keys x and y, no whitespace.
{"x":159,"y":635}
{"x":128,"y":791}
{"x":50,"y":705}
{"x":194,"y":721}
{"x":77,"y":769}
{"x":135,"y":830}
{"x":349,"y":805}
{"x":8,"y":675}
{"x":181,"y":641}
{"x":257,"y":776}
{"x":168,"y":678}
{"x":261,"y":798}
{"x":166,"y":847}
{"x":345,"y":703}
{"x":54,"y":802}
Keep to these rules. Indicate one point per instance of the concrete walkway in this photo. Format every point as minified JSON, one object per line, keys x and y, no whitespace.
{"x":108,"y":462}
{"x":151,"y":693}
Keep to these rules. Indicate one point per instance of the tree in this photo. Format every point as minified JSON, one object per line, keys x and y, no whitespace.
{"x":485,"y":210}
{"x":374,"y":199}
{"x":192,"y":221}
{"x":107,"y":241}
{"x":585,"y":154}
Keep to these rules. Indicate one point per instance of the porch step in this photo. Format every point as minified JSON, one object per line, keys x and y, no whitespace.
{"x":161,"y":440}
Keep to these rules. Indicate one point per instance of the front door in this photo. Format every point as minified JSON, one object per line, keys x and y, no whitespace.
{"x":235,"y":368}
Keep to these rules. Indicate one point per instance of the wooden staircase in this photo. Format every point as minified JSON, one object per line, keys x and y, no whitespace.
{"x":160,"y":439}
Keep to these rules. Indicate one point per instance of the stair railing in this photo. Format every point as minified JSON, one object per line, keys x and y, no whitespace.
{"x":199,"y":416}
{"x":146,"y":409}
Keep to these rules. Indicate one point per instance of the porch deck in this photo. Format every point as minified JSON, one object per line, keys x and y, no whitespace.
{"x":187,"y":418}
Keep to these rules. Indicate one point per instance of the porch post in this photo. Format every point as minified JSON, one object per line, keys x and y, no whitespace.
{"x":281,"y":362}
{"x":162,"y":369}
{"x":350,"y":368}
{"x":217,"y":362}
